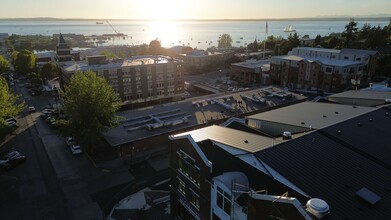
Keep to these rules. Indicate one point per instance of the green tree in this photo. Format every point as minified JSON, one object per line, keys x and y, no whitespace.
{"x":91,"y":104}
{"x":225,"y":41}
{"x":155,"y":47}
{"x":350,"y":33}
{"x":253,"y":46}
{"x":25,"y":62}
{"x":9,"y":106}
{"x":14,"y":55}
{"x":318,"y":40}
{"x":4,"y":65}
{"x":49,"y":70}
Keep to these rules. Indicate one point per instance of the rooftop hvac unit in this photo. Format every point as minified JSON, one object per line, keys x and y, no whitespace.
{"x":318,"y":208}
{"x":286,"y":135}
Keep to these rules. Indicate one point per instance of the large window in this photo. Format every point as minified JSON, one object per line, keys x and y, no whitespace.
{"x":223,"y":200}
{"x":187,"y":166}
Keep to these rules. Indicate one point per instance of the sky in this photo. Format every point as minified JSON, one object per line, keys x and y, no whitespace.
{"x":191,"y":9}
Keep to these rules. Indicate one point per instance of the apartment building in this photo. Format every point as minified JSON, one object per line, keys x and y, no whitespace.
{"x":251,"y":71}
{"x":199,"y":60}
{"x":328,"y":172}
{"x":322,"y":69}
{"x":137,"y":79}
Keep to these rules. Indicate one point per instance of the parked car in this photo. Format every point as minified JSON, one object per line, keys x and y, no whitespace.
{"x":12,"y":159}
{"x":75,"y":149}
{"x":31,"y":109}
{"x":70,"y":141}
{"x":45,"y":115}
{"x":11,"y":154}
{"x":11,"y":119}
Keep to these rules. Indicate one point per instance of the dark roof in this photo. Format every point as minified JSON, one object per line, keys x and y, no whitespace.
{"x":334,"y":166}
{"x":61,"y":40}
{"x":369,"y":135}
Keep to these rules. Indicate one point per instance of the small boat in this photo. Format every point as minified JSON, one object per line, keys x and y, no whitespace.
{"x":289,"y":29}
{"x":99,"y":22}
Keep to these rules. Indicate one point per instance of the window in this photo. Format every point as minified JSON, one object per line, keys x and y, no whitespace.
{"x":182,"y":187}
{"x":223,"y":200}
{"x":328,"y":69}
{"x":188,"y":167}
{"x":194,"y":199}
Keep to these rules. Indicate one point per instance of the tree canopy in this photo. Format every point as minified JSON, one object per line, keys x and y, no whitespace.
{"x":49,"y":70}
{"x":350,"y":33}
{"x":91,"y":104}
{"x":9,"y":105}
{"x":4,"y":65}
{"x":155,"y":47}
{"x":25,"y":61}
{"x":225,"y":41}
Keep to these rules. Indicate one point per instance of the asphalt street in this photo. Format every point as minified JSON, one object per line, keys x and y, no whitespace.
{"x":52,"y":183}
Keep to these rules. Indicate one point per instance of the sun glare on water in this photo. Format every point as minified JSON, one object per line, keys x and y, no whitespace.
{"x":162,"y":15}
{"x":165,"y":31}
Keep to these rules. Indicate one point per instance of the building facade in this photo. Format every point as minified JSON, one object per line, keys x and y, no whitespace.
{"x":137,"y":79}
{"x":199,"y":60}
{"x":251,"y":71}
{"x":63,"y":51}
{"x":322,"y":69}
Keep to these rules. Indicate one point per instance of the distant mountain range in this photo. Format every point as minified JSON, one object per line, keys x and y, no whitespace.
{"x":374,"y":17}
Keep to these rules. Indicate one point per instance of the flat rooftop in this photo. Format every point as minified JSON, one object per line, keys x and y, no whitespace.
{"x":147,"y":60}
{"x":139,"y":124}
{"x":252,"y":64}
{"x":318,"y":49}
{"x":72,"y":66}
{"x":231,"y":137}
{"x":363,"y":94}
{"x":314,"y":114}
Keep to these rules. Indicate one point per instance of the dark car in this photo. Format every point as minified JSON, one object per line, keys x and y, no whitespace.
{"x":12,"y":162}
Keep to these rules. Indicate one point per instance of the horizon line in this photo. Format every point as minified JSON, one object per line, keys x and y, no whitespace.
{"x":209,"y":19}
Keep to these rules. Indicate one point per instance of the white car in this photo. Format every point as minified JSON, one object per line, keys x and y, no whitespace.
{"x":70,"y":141}
{"x":75,"y":148}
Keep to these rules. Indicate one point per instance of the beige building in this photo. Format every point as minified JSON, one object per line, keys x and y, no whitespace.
{"x":199,"y":60}
{"x":321,"y":68}
{"x":137,"y":79}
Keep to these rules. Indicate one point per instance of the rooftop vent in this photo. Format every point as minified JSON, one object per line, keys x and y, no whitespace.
{"x":368,"y":196}
{"x":318,"y":208}
{"x":246,"y":141}
{"x":370,"y":119}
{"x":336,"y":112}
{"x":354,"y":106}
{"x":303,"y":123}
{"x":386,"y":113}
{"x":339,"y":131}
{"x":286,"y":135}
{"x":324,"y":116}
